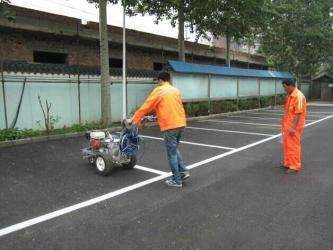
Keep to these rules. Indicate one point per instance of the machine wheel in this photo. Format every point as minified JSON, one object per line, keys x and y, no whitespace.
{"x":91,"y":161}
{"x":103,"y":165}
{"x":131,"y":164}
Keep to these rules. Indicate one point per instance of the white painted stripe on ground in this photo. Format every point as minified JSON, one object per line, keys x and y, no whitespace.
{"x":247,"y":146}
{"x":274,"y":113}
{"x":320,"y":104}
{"x":308,"y":112}
{"x":45,"y":217}
{"x":190,"y":143}
{"x":228,"y":131}
{"x":261,"y":118}
{"x":75,"y":207}
{"x":151,"y":170}
{"x":246,"y":123}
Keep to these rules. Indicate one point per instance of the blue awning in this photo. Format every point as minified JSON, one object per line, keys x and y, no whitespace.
{"x":192,"y":68}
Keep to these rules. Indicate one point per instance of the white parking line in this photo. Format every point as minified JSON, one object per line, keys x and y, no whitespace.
{"x":308,"y":111}
{"x":261,"y":118}
{"x":228,"y":131}
{"x":246,"y":123}
{"x":322,"y":113}
{"x":274,"y":113}
{"x":190,"y":143}
{"x":151,"y":170}
{"x":66,"y":210}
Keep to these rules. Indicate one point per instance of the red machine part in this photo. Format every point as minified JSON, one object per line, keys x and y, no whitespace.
{"x":95,"y":144}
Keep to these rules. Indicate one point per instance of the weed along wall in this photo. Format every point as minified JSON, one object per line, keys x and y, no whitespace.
{"x":213,"y":89}
{"x":206,"y":89}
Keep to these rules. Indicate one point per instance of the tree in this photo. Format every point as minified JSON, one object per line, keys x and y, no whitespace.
{"x":104,"y":61}
{"x":4,"y":10}
{"x":234,"y":19}
{"x":299,"y":36}
{"x":177,"y":11}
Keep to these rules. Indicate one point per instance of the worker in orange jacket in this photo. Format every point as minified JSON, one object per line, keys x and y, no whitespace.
{"x":166,"y":101}
{"x":293,"y":122}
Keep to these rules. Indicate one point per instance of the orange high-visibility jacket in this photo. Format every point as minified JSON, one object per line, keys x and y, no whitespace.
{"x":166,"y":101}
{"x":295,"y":104}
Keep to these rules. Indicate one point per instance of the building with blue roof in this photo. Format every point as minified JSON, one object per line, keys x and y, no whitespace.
{"x":199,"y":82}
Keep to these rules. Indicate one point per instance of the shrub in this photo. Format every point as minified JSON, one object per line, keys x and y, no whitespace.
{"x":15,"y":133}
{"x":245,"y":104}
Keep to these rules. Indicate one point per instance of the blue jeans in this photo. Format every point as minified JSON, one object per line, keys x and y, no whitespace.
{"x":172,"y":138}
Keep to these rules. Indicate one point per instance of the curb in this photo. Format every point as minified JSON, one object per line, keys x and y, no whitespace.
{"x":30,"y":140}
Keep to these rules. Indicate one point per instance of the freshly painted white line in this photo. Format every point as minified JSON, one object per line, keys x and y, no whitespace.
{"x":66,"y":210}
{"x":190,"y":143}
{"x":311,"y":111}
{"x":321,"y":104}
{"x":248,"y":146}
{"x":228,"y":131}
{"x":75,"y":207}
{"x":280,"y":114}
{"x":320,"y":120}
{"x":308,"y":112}
{"x":261,"y":118}
{"x":151,"y":170}
{"x":246,"y":123}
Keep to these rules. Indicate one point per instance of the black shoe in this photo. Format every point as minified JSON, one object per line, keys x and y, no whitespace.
{"x":284,"y":167}
{"x":291,"y":171}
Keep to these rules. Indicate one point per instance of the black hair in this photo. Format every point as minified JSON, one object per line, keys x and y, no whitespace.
{"x":289,"y":82}
{"x":165,"y":76}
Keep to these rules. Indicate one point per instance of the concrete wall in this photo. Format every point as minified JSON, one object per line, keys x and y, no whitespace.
{"x":63,"y":93}
{"x":196,"y":87}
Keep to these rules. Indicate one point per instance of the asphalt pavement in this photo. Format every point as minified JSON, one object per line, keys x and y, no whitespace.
{"x":236,"y":198}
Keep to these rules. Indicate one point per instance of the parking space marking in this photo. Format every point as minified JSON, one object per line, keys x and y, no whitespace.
{"x":190,"y":143}
{"x":66,"y":210}
{"x":77,"y":206}
{"x":308,"y":112}
{"x":228,"y":131}
{"x":262,"y":118}
{"x":246,"y":123}
{"x":280,"y":114}
{"x":151,"y":170}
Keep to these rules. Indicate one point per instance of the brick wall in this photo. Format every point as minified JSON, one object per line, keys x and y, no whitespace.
{"x":19,"y":46}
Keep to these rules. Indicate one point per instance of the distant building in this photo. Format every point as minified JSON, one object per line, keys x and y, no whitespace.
{"x":39,"y":41}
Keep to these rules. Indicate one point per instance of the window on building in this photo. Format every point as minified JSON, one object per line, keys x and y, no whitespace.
{"x":115,"y":63}
{"x":158,"y":66}
{"x":50,"y":57}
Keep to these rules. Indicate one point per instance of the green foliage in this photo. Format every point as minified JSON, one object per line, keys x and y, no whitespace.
{"x":245,"y":104}
{"x":4,"y":10}
{"x":223,"y":106}
{"x":181,"y":12}
{"x":266,"y":101}
{"x":233,"y":19}
{"x":299,"y":35}
{"x":14,"y":134}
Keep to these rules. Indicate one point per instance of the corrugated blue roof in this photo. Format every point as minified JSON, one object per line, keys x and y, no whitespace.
{"x":182,"y":67}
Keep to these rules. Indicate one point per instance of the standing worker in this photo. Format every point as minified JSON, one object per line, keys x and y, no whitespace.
{"x":166,"y":101}
{"x":293,"y":122}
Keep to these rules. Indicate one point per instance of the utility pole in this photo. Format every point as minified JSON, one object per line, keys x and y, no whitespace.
{"x":124,"y":65}
{"x":104,"y":60}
